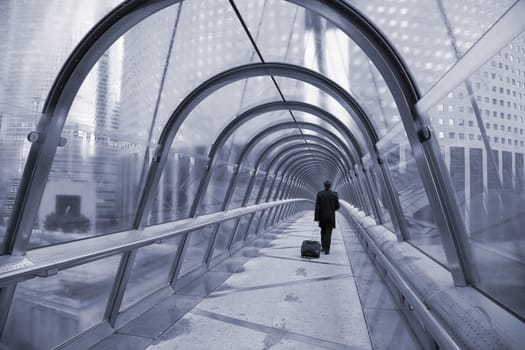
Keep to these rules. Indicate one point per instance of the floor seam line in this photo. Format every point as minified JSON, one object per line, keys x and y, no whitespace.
{"x":219,"y":293}
{"x":270,"y":330}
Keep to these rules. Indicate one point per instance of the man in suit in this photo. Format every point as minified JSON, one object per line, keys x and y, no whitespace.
{"x":326,"y":203}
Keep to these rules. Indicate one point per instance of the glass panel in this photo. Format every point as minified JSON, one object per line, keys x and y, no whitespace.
{"x":254,"y":224}
{"x":266,"y":188}
{"x":213,"y":198}
{"x":224,"y":236}
{"x":338,"y":132}
{"x":36,"y":39}
{"x":48,"y":311}
{"x":177,"y":187}
{"x":243,"y":179}
{"x":254,"y":155}
{"x":196,"y":249}
{"x":452,"y":26}
{"x":286,"y":32}
{"x":15,"y":125}
{"x":414,"y":202}
{"x":295,"y":90}
{"x":238,"y":140}
{"x":207,"y":39}
{"x":94,"y":180}
{"x":241,"y":230}
{"x":151,"y":270}
{"x":482,"y":141}
{"x":255,"y":190}
{"x":380,"y":195}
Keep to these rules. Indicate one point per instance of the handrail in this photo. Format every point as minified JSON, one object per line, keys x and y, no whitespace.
{"x":48,"y":261}
{"x":428,"y":289}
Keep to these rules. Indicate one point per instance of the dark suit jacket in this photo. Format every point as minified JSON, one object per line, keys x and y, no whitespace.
{"x":326,"y":203}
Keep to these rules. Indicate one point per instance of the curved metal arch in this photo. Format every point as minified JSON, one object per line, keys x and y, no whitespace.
{"x":263,"y":155}
{"x":273,"y":213}
{"x":302,"y":157}
{"x":297,"y":172}
{"x":282,"y":126}
{"x":289,"y":139}
{"x":431,"y":165}
{"x":266,"y":69}
{"x":256,"y":111}
{"x":222,"y":79}
{"x":304,"y":171}
{"x":290,"y":154}
{"x":255,"y":140}
{"x":92,"y":47}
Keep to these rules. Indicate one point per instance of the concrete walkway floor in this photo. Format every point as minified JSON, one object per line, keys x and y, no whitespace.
{"x":268,"y":297}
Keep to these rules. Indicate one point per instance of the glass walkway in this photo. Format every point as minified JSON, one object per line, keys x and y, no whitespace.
{"x":160,"y":160}
{"x":269,"y":297}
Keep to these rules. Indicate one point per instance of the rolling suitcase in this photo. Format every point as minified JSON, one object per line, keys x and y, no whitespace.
{"x":311,"y":249}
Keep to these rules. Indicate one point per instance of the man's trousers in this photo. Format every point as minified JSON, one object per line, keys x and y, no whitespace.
{"x":326,"y":238}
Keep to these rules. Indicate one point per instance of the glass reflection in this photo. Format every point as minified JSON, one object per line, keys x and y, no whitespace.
{"x":48,"y":311}
{"x":151,"y":270}
{"x":213,"y":198}
{"x":224,"y":236}
{"x":419,"y":217}
{"x":243,"y":179}
{"x":177,"y":187}
{"x":28,"y":69}
{"x":431,"y":35}
{"x":480,"y":131}
{"x":196,"y":249}
{"x":289,"y":33}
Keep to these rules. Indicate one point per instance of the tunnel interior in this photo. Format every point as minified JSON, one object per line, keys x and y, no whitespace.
{"x":156,"y":138}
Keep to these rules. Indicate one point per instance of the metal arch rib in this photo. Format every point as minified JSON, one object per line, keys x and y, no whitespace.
{"x":256,"y":139}
{"x":291,"y":163}
{"x":288,"y":154}
{"x":225,"y":78}
{"x":287,"y":176}
{"x":115,"y":24}
{"x":251,"y":113}
{"x":287,"y":139}
{"x":278,"y":127}
{"x":268,"y":69}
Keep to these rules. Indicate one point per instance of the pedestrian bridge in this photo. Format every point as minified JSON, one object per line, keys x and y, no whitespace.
{"x":160,"y":160}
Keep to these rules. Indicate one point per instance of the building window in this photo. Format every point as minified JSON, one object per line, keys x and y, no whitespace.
{"x":470,"y":123}
{"x":451,"y":122}
{"x":471,"y":137}
{"x":461,"y":136}
{"x":441,"y":135}
{"x":451,"y":135}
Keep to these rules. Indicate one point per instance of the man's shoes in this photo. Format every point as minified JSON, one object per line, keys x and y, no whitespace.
{"x":326,"y":252}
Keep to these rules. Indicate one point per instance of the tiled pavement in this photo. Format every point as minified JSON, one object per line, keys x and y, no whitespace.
{"x":267,"y":297}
